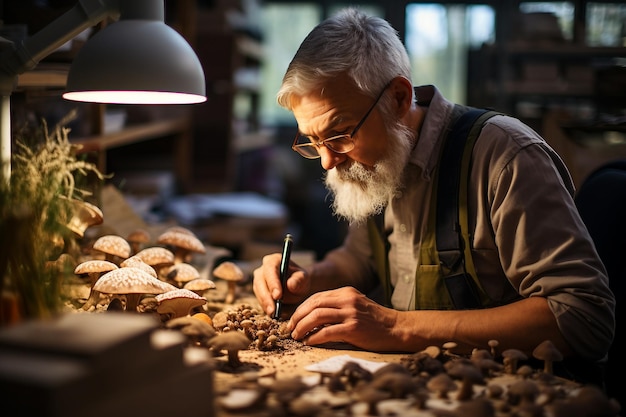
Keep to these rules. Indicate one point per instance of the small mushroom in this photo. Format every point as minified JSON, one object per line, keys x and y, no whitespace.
{"x":180,"y":273}
{"x":232,"y":274}
{"x":136,"y":262}
{"x":396,"y":384}
{"x":441,"y":384}
{"x":511,"y":357}
{"x":131,"y":282}
{"x":477,"y":407}
{"x":200,"y":285}
{"x":183,"y":244}
{"x":493,"y":347}
{"x":232,"y":342}
{"x":372,"y":396}
{"x":113,"y":247}
{"x":548,"y":353}
{"x":94,"y":268}
{"x":523,"y":392}
{"x":198,"y":332}
{"x":178,"y":302}
{"x":157,"y":257}
{"x":137,"y":239}
{"x":84,"y":215}
{"x":469,"y":375}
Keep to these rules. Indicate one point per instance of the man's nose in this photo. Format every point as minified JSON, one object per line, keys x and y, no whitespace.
{"x":330,"y":159}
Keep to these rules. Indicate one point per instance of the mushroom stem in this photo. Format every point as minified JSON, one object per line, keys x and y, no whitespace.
{"x":233,"y":358}
{"x":92,"y":301}
{"x":230,"y":295}
{"x":132,"y":301}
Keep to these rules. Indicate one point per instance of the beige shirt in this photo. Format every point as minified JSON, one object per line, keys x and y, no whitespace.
{"x":528,"y":239}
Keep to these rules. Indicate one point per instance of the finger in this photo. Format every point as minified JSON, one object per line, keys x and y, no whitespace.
{"x":303,"y":325}
{"x":331,"y":333}
{"x":262,"y":292}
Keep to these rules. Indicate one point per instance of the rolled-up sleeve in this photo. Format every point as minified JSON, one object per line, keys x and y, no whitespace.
{"x":531,"y":224}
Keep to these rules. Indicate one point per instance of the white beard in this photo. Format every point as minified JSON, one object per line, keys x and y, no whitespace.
{"x":360,"y":192}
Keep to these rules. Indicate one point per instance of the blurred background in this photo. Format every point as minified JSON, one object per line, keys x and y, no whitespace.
{"x":225,"y":167}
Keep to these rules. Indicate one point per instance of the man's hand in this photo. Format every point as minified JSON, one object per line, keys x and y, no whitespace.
{"x":345,"y":315}
{"x":267,"y":286}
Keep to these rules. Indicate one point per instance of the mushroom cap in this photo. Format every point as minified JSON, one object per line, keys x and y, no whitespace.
{"x":136,"y":262}
{"x":156,"y":255}
{"x":230,"y":341}
{"x":228,"y":271}
{"x":547,"y":351}
{"x":112,"y":245}
{"x":182,"y":272}
{"x":441,"y":382}
{"x":514,"y":354}
{"x":181,"y":240}
{"x":180,"y":229}
{"x":84,"y":215}
{"x":179,"y":302}
{"x":131,"y":280}
{"x":192,"y":327}
{"x":200,"y":284}
{"x":94,"y":265}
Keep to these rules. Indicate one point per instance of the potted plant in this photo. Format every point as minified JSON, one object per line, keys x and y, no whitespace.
{"x":36,"y":205}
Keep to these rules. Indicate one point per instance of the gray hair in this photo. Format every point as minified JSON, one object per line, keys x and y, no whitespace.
{"x":366,"y":48}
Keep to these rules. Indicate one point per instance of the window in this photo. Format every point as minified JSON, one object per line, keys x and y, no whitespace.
{"x":284,"y":27}
{"x":606,"y":24}
{"x":437,"y":39}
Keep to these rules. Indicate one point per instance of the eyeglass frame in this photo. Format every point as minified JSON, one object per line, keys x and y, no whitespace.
{"x":297,"y":147}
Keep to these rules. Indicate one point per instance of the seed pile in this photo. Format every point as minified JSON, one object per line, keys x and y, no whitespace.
{"x":264,"y":332}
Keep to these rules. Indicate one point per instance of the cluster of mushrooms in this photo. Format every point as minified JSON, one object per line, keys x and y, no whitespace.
{"x":433,"y":382}
{"x":130,"y":275}
{"x":136,"y":277}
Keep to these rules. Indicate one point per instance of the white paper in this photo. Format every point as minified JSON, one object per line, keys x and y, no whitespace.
{"x":334,"y":364}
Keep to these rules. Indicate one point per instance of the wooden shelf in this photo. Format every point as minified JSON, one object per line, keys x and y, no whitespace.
{"x":47,"y":76}
{"x":132,"y":134}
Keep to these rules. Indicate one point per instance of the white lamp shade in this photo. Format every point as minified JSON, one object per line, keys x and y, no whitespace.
{"x":136,"y":62}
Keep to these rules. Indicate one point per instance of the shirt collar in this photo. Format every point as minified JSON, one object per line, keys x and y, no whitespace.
{"x":434,"y":128}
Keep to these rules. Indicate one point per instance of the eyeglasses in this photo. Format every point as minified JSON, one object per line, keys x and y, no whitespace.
{"x":338,"y":144}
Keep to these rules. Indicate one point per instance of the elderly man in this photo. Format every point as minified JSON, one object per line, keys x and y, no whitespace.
{"x":538,"y":275}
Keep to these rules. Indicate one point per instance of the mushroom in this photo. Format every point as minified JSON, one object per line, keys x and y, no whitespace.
{"x":396,"y":384}
{"x":131,"y":282}
{"x":232,"y":274}
{"x":180,"y":273}
{"x":469,"y":375}
{"x":522,"y":392}
{"x":510,"y":359}
{"x":94,"y":269}
{"x":200,"y":285}
{"x":548,"y":353}
{"x":232,"y":342}
{"x":114,"y":247}
{"x":478,"y":407}
{"x":178,"y":302}
{"x":198,"y":332}
{"x":157,"y":257}
{"x":183,"y":244}
{"x":493,"y":347}
{"x":84,"y":215}
{"x":136,"y":262}
{"x":372,"y":396}
{"x":137,"y":239}
{"x":441,"y":384}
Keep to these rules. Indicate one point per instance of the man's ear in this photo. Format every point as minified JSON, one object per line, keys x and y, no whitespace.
{"x":402,"y":91}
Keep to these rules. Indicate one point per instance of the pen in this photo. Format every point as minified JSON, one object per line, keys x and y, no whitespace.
{"x":284,"y":266}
